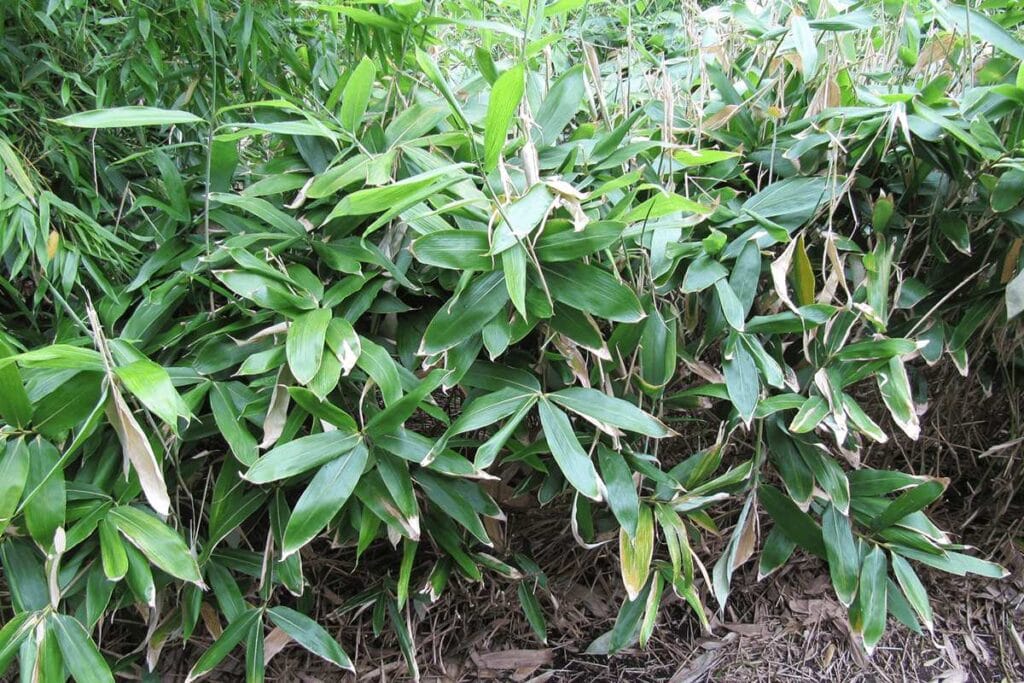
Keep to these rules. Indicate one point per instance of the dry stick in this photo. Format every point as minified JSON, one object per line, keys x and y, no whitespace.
{"x":944,"y":300}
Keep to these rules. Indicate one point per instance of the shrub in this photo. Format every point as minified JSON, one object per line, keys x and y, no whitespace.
{"x":252,"y":252}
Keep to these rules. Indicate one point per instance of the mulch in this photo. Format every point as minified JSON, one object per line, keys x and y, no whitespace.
{"x":787,"y":627}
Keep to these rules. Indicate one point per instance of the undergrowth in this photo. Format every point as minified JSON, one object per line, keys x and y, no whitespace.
{"x":284,"y":279}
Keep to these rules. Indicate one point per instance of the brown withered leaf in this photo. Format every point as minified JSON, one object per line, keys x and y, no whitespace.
{"x":138,"y":452}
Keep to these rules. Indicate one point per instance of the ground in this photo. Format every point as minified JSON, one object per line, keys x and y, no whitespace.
{"x":788,"y":627}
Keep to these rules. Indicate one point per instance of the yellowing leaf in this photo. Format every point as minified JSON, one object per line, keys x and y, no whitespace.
{"x":635,"y":554}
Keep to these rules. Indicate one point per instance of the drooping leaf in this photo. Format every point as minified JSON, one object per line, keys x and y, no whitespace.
{"x":467,"y":314}
{"x":80,"y":654}
{"x":573,"y":461}
{"x":161,"y":545}
{"x":305,"y":344}
{"x":622,"y":496}
{"x":841,"y":550}
{"x":310,"y":635}
{"x":325,"y":495}
{"x":872,"y":597}
{"x":235,"y":632}
{"x":635,"y":553}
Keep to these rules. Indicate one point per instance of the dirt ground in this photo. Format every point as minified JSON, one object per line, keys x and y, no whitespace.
{"x":788,"y":627}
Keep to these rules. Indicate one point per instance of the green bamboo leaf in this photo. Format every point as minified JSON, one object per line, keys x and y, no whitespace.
{"x":405,"y":571}
{"x":158,"y":542}
{"x":609,"y":410}
{"x":310,"y":635}
{"x":702,"y":273}
{"x":872,"y":597}
{"x":45,"y":512}
{"x":266,"y":292}
{"x":112,"y":552}
{"x":14,"y":166}
{"x":356,"y":96}
{"x":658,"y":352}
{"x":151,"y":384}
{"x":843,"y":557}
{"x":12,"y":635}
{"x":513,"y":265}
{"x":236,"y":631}
{"x":304,"y":347}
{"x":805,"y":45}
{"x":593,"y":290}
{"x":324,"y":496}
{"x":392,"y":417}
{"x":956,"y":563}
{"x":664,"y":204}
{"x":570,"y":456}
{"x":732,"y":309}
{"x":255,"y":668}
{"x":14,"y":468}
{"x":622,"y":496}
{"x":322,"y":410}
{"x":394,"y":472}
{"x":15,"y":406}
{"x":81,"y":656}
{"x":688,"y":158}
{"x":803,"y":275}
{"x":899,"y":608}
{"x":651,"y":608}
{"x":741,"y":381}
{"x":262,"y":209}
{"x":128,"y":117}
{"x":1008,"y":192}
{"x":381,"y":199}
{"x":793,"y":522}
{"x":374,"y":494}
{"x":775,"y":552}
{"x":908,"y":502}
{"x":881,"y":349}
{"x":895,"y":389}
{"x":974,"y":23}
{"x":913,"y":589}
{"x":49,"y":664}
{"x":300,"y":455}
{"x":429,"y":66}
{"x":466,"y":314}
{"x":450,"y":496}
{"x":561,"y":104}
{"x":567,"y":244}
{"x":489,"y":408}
{"x":829,"y":475}
{"x":532,"y":609}
{"x":862,"y":421}
{"x":231,"y":425}
{"x":57,"y":357}
{"x":810,"y":415}
{"x":455,"y":250}
{"x":501,"y":107}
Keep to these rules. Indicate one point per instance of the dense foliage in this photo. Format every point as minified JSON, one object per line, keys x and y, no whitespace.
{"x":282,"y":276}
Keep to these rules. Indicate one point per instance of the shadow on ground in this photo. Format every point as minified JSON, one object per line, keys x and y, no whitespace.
{"x":788,"y":627}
